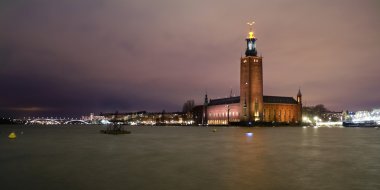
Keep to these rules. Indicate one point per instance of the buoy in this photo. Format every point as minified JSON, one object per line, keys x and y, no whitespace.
{"x":214,"y":130}
{"x":12,"y":135}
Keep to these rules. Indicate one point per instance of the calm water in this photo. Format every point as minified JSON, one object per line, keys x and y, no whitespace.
{"x":79,"y":157}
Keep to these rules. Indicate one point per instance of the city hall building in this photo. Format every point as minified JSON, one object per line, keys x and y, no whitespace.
{"x":251,"y":106}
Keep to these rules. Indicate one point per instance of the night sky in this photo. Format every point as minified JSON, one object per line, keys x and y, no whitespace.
{"x":70,"y":58}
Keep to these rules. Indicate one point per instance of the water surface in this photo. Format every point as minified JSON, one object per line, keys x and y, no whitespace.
{"x":79,"y":157}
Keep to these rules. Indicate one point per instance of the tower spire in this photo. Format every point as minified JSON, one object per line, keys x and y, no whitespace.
{"x":206,"y":99}
{"x":251,"y":41}
{"x":251,"y":34}
{"x":204,"y":115}
{"x":299,"y":96}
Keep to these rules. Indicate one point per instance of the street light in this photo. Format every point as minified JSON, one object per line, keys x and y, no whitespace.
{"x":228,"y":114}
{"x":316,"y":119}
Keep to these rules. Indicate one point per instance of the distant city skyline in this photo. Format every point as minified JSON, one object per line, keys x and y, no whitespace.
{"x":73,"y":58}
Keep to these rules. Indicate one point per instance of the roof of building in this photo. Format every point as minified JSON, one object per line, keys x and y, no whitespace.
{"x":266,"y":99}
{"x":279,"y":100}
{"x":221,"y":101}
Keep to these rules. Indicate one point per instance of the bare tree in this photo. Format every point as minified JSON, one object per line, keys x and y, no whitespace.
{"x":317,"y":110}
{"x":188,"y":106}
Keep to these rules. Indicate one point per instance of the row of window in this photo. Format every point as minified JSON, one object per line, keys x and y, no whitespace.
{"x":223,"y":114}
{"x":282,"y":114}
{"x":254,"y":60}
{"x":221,"y":121}
{"x":267,"y":113}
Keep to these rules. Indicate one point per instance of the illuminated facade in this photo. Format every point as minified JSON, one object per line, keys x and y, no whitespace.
{"x":252,"y":106}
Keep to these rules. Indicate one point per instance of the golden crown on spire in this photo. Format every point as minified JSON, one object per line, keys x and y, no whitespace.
{"x":251,"y":34}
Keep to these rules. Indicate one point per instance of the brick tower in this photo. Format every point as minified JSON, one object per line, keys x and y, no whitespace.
{"x":251,"y":82}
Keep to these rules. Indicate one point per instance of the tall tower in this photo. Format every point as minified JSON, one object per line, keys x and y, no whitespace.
{"x":204,"y":115}
{"x":299,"y":101}
{"x":251,"y":81}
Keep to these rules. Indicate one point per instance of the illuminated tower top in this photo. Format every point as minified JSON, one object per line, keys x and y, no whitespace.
{"x":251,"y":34}
{"x":251,"y":41}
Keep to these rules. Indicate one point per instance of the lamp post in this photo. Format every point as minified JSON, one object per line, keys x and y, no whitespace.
{"x":228,"y":114}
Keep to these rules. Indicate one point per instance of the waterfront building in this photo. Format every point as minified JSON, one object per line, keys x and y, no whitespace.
{"x":93,"y":118}
{"x":362,"y":117}
{"x":150,"y":118}
{"x":332,"y":116}
{"x":252,"y":105}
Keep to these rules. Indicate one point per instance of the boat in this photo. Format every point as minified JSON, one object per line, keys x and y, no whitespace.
{"x":362,"y":118}
{"x":369,"y":123}
{"x":115,"y":129}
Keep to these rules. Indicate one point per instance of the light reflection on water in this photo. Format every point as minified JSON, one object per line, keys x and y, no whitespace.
{"x":79,"y":157}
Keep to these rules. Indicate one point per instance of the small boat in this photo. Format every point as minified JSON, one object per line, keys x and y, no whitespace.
{"x":360,"y":124}
{"x":115,"y":129}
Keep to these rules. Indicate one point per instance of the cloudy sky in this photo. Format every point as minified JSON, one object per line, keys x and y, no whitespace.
{"x":69,"y":58}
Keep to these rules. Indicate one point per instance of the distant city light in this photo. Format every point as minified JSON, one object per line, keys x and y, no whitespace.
{"x":364,"y":116}
{"x":105,"y":122}
{"x":306,"y":119}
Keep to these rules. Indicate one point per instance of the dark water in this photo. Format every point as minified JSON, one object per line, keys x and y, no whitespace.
{"x":79,"y":157}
